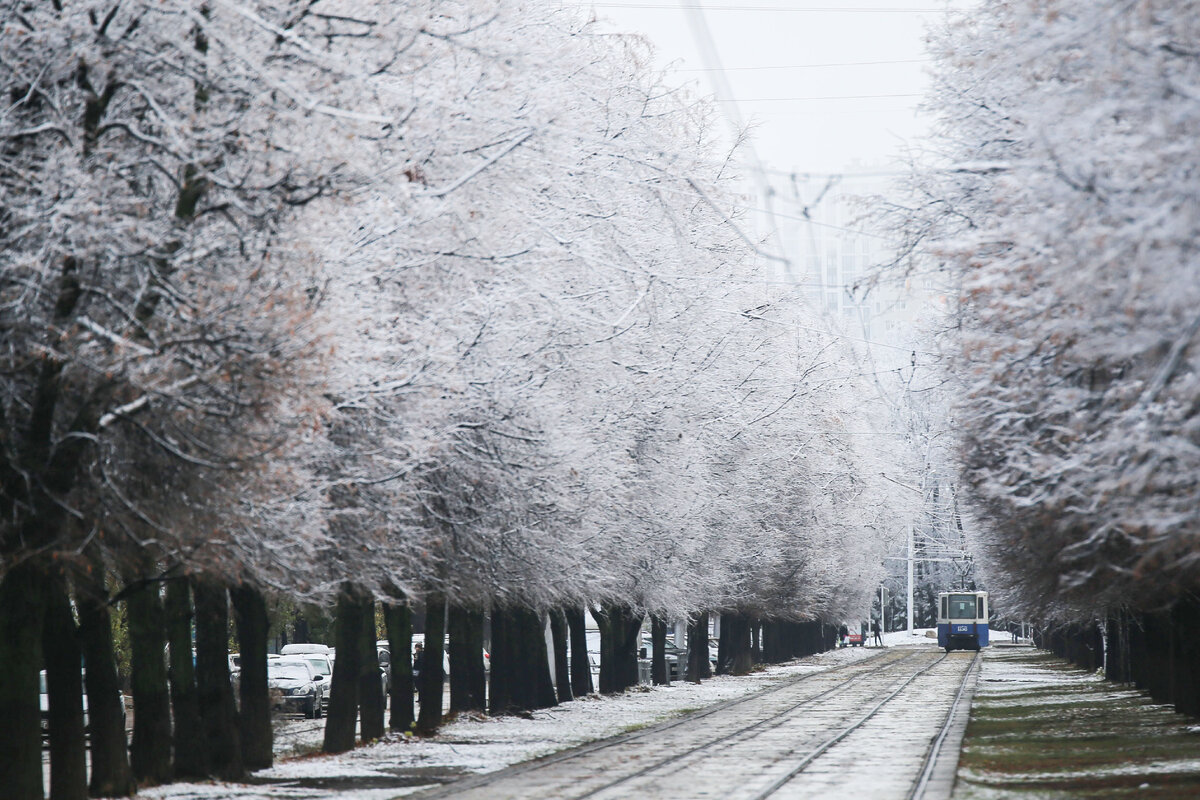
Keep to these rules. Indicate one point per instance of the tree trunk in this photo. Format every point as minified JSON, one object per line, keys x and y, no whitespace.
{"x":771,"y":641}
{"x":150,"y":752}
{"x":343,"y":700}
{"x":64,"y":684}
{"x":467,"y":678}
{"x":724,"y":659}
{"x":254,"y":714}
{"x":218,"y":710}
{"x":659,"y":674}
{"x":520,"y":665}
{"x":504,"y":666}
{"x":398,"y":618}
{"x":619,"y":642}
{"x":1116,"y":651}
{"x":736,"y":629}
{"x":432,"y":678}
{"x":581,"y":667}
{"x":370,"y":684}
{"x":191,"y":747}
{"x":20,"y":659}
{"x":698,"y":667}
{"x":538,"y":688}
{"x":608,"y":651}
{"x":558,"y":632}
{"x":1185,"y":619}
{"x":627,"y":646}
{"x":111,"y":773}
{"x":477,"y":679}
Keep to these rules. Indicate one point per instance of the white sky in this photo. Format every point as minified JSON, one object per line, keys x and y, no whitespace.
{"x":780,"y":58}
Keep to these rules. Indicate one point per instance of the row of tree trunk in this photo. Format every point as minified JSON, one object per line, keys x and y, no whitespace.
{"x":521,"y":678}
{"x":1157,"y":652}
{"x":187,"y":724}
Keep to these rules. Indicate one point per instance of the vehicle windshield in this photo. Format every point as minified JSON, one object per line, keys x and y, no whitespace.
{"x":321,"y":665}
{"x":287,"y":672}
{"x":962,"y":606}
{"x":42,"y":683}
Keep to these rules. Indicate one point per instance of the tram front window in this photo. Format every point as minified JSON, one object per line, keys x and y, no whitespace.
{"x":962,"y":606}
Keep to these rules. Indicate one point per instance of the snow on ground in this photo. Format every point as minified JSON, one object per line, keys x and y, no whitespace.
{"x":483,"y":744}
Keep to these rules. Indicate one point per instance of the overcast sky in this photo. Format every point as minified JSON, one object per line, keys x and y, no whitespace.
{"x":807,"y":74}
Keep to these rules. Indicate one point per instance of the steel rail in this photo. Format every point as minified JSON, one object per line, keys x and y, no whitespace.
{"x":458,"y":786}
{"x":819,"y":750}
{"x":935,"y":749}
{"x":740,"y":731}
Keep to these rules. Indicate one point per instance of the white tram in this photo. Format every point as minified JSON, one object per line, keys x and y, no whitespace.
{"x":962,"y":620}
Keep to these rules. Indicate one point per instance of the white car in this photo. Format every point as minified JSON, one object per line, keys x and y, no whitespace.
{"x":44,"y":700}
{"x":304,"y":649}
{"x":302,"y":688}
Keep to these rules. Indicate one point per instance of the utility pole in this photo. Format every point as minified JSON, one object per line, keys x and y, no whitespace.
{"x":910,"y":579}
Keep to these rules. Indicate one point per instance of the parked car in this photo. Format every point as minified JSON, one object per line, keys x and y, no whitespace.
{"x":44,"y":699}
{"x":324,"y":667}
{"x":235,"y":676}
{"x":302,"y":688}
{"x":675,"y":657}
{"x":44,"y":702}
{"x":304,"y":649}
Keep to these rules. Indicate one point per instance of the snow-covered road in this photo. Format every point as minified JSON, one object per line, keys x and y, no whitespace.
{"x":861,"y":729}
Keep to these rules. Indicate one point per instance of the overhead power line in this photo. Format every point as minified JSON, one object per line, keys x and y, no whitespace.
{"x":782,"y":9}
{"x":824,"y":97}
{"x":815,"y":66}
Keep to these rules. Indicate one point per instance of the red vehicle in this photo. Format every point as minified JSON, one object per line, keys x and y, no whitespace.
{"x":854,"y":640}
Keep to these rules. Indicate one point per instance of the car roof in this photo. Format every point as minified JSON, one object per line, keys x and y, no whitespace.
{"x":289,"y":661}
{"x":298,"y":649}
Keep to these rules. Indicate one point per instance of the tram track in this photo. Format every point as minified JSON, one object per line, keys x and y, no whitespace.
{"x":815,"y":753}
{"x":768,"y":736}
{"x":457,"y":788}
{"x":936,"y":760}
{"x":747,"y":731}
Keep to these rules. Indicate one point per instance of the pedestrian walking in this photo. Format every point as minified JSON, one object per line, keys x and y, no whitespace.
{"x":418,"y":659}
{"x":875,"y":630}
{"x":843,"y":632}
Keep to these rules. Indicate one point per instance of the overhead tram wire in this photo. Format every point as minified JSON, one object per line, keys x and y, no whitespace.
{"x":824,"y":97}
{"x":712,"y":59}
{"x":814,"y":66}
{"x":778,"y":9}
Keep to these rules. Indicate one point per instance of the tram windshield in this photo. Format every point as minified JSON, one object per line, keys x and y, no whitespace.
{"x":962,"y":606}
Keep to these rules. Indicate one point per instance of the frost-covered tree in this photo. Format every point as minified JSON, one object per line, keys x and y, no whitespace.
{"x":151,"y":156}
{"x":1062,"y":206}
{"x":550,"y":353}
{"x":355,"y":300}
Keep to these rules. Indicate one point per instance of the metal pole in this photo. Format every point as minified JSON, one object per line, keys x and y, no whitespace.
{"x":910,"y":579}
